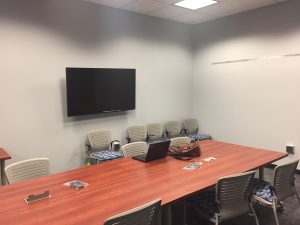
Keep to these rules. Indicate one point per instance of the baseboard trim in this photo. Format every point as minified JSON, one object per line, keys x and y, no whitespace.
{"x":272,"y":166}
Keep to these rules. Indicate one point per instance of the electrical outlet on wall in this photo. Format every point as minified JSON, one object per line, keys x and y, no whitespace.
{"x":290,"y":149}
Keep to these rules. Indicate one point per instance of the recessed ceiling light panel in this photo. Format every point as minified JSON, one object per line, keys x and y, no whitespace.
{"x":195,"y":4}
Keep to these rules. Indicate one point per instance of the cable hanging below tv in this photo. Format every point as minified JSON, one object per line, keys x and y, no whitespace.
{"x":99,"y":90}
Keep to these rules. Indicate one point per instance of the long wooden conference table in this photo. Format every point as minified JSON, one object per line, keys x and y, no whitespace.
{"x":123,"y":184}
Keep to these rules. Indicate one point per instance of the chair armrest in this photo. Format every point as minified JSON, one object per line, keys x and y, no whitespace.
{"x":88,"y":145}
{"x":273,"y":191}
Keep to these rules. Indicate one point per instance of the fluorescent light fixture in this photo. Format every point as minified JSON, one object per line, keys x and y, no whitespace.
{"x":195,"y":4}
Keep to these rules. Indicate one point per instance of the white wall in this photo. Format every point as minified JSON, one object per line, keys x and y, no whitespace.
{"x":252,"y":103}
{"x":39,"y":38}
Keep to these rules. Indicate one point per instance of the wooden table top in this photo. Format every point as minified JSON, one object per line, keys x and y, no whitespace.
{"x":122,"y":184}
{"x":4,"y":155}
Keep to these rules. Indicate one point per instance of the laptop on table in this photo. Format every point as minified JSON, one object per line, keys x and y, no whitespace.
{"x":155,"y":151}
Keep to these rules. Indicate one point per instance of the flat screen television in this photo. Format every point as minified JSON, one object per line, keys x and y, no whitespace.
{"x":99,"y":90}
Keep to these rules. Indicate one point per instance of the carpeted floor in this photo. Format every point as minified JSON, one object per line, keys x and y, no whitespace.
{"x":289,"y":216}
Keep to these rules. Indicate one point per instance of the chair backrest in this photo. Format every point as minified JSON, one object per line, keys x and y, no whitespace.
{"x":283,"y":180}
{"x":233,"y":194}
{"x":27,"y":169}
{"x":190,"y":126}
{"x":179,"y":140}
{"x":155,"y":131}
{"x":137,"y":133}
{"x":144,"y":215}
{"x":135,"y":148}
{"x":173,"y":128}
{"x":99,"y":140}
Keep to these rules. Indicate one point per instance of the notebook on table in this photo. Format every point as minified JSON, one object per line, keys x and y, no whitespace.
{"x":155,"y":151}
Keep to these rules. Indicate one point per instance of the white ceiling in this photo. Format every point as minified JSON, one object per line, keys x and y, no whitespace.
{"x":165,"y":8}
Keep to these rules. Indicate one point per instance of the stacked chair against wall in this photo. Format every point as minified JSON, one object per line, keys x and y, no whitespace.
{"x":155,"y":132}
{"x":136,"y":133}
{"x":173,"y":129}
{"x":147,"y":214}
{"x":98,"y":143}
{"x":231,"y":198}
{"x":135,"y":148}
{"x":27,"y":169}
{"x":191,"y":130}
{"x":281,"y":188}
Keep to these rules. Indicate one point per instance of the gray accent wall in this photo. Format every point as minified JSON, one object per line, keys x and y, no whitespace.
{"x":40,"y":38}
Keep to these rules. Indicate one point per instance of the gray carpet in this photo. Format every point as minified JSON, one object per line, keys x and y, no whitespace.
{"x":289,"y":216}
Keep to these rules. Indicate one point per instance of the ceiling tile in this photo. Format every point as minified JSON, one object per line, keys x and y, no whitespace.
{"x":222,"y":7}
{"x":112,"y":3}
{"x":169,"y":12}
{"x":229,"y":7}
{"x":168,"y":1}
{"x":247,"y":7}
{"x":166,"y":9}
{"x":144,"y":6}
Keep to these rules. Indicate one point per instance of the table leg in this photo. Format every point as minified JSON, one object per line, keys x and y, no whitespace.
{"x":169,"y":215}
{"x":261,"y":173}
{"x":159,"y":222}
{"x":2,"y":172}
{"x":184,"y":212}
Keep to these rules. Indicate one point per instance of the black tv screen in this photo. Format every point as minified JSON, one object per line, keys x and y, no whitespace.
{"x":98,"y":90}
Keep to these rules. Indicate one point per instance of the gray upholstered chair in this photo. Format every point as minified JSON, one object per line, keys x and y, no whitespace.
{"x":155,"y":132}
{"x":137,"y":133}
{"x":231,"y":198}
{"x":27,"y":169}
{"x":99,"y":140}
{"x":173,"y":129}
{"x":190,"y":127}
{"x":98,"y":143}
{"x":281,"y":188}
{"x":135,"y":148}
{"x":179,"y":140}
{"x":144,"y":215}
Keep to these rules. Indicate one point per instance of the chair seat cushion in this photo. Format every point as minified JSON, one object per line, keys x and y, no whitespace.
{"x":156,"y":141}
{"x":105,"y":155}
{"x":199,"y":137}
{"x":206,"y":202}
{"x":262,"y":190}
